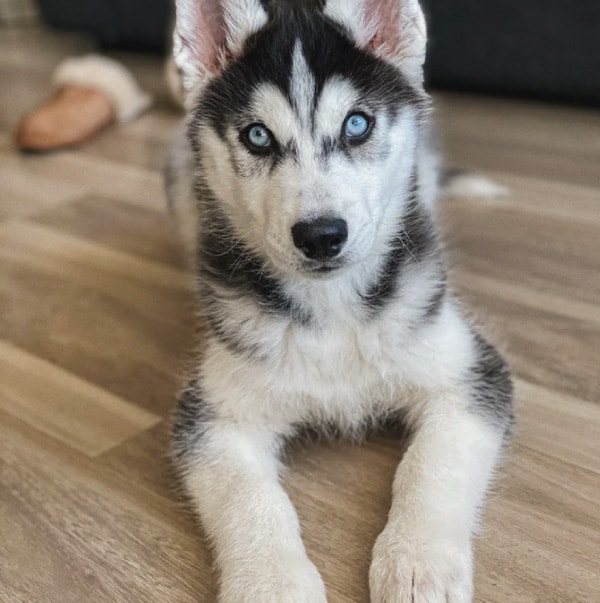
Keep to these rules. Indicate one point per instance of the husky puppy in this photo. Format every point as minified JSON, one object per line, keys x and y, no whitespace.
{"x":302,"y":182}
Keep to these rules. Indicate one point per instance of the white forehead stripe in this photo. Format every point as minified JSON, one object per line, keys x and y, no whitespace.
{"x":303,"y":86}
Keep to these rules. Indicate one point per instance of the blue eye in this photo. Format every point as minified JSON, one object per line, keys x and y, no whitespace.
{"x":357,"y":125}
{"x":258,"y":137}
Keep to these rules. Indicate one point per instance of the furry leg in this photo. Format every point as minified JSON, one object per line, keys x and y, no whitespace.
{"x":231,"y":477}
{"x":424,"y":552}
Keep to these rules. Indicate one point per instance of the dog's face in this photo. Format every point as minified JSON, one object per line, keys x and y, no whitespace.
{"x":306,"y":141}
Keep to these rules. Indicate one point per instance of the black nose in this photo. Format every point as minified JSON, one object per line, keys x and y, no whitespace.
{"x":320,"y":239}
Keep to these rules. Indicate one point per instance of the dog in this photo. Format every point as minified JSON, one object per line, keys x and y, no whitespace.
{"x":303,"y":181}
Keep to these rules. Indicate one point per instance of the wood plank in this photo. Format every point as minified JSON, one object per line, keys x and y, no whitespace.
{"x":524,"y":248}
{"x":89,"y":535}
{"x":96,"y":175}
{"x":65,"y":407}
{"x":566,"y":201}
{"x":548,"y":141}
{"x":31,"y":194}
{"x":557,"y":303}
{"x":563,"y":416}
{"x":541,"y":533}
{"x":128,"y":227}
{"x":87,"y":261}
{"x":97,"y":313}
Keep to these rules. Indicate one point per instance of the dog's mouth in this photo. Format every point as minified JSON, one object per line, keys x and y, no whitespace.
{"x":322,"y":269}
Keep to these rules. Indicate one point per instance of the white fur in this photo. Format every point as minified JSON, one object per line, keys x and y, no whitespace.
{"x":250,"y":519}
{"x":352,"y":16}
{"x":473,"y":185}
{"x":425,"y":549}
{"x":110,"y":78}
{"x":345,"y":368}
{"x":242,"y":19}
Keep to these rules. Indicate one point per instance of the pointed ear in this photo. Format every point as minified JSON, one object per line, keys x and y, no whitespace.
{"x":394,"y":30}
{"x":210,"y":33}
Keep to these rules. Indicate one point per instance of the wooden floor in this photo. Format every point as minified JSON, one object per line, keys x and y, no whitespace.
{"x":96,"y":323}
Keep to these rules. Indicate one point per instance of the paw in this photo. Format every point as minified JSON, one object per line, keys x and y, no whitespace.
{"x":280,"y":580}
{"x":403,"y":571}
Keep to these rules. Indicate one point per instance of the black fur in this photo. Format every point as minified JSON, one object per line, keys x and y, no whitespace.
{"x":492,"y":387}
{"x":329,"y":146}
{"x":227,"y":262}
{"x":227,"y":336}
{"x":272,"y":6}
{"x":415,"y":240}
{"x":391,"y":423}
{"x":435,"y":303}
{"x":192,"y":416}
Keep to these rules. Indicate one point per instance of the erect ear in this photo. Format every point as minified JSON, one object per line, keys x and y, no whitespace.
{"x":392,"y":29}
{"x":210,"y":33}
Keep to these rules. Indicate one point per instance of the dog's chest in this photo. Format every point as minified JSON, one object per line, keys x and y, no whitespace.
{"x":343,"y":366}
{"x":339,"y":363}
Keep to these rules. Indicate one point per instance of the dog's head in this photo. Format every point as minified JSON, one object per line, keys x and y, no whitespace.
{"x":305,"y":122}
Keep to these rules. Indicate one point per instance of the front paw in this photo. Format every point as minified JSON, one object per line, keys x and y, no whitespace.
{"x":405,"y":570}
{"x":276,"y":580}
